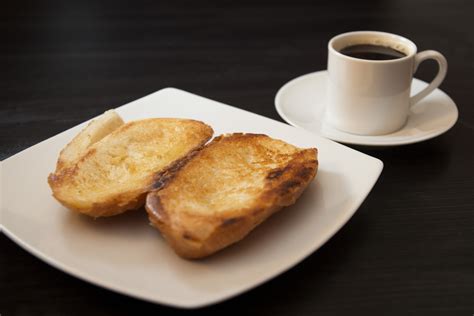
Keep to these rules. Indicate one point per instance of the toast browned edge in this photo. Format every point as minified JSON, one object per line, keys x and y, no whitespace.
{"x":121,"y":202}
{"x":283,"y":187}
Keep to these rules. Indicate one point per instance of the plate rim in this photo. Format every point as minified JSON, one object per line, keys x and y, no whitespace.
{"x":85,"y":276}
{"x":374,"y":141}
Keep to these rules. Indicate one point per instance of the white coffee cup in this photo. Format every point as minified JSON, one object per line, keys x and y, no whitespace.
{"x":372,"y":97}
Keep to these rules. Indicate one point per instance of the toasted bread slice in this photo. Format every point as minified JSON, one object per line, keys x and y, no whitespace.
{"x":94,"y":131}
{"x":116,"y":172}
{"x":227,"y":189}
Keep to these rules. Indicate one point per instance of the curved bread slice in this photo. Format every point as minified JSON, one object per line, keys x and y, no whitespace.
{"x":227,"y":189}
{"x":94,"y":131}
{"x":116,"y":172}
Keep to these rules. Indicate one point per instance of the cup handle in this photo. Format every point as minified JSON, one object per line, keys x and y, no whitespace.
{"x":442,"y":70}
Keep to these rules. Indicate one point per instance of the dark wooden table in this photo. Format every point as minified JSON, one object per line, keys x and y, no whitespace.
{"x":409,"y":250}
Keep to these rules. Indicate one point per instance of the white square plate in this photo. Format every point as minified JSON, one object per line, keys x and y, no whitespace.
{"x":125,"y":254}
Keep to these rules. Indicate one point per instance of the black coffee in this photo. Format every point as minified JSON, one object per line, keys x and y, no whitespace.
{"x":372,"y":52}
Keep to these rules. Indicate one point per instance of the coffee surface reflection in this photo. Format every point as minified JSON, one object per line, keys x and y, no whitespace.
{"x":372,"y":52}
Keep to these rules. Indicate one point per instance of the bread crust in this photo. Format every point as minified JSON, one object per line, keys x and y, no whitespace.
{"x":62,"y":180}
{"x":194,"y":235}
{"x":96,"y":130}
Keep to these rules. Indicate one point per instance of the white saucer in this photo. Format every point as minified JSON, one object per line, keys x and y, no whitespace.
{"x":300,"y":102}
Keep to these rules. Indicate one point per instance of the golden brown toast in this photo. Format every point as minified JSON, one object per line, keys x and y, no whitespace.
{"x":228,"y":188}
{"x":115,"y":173}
